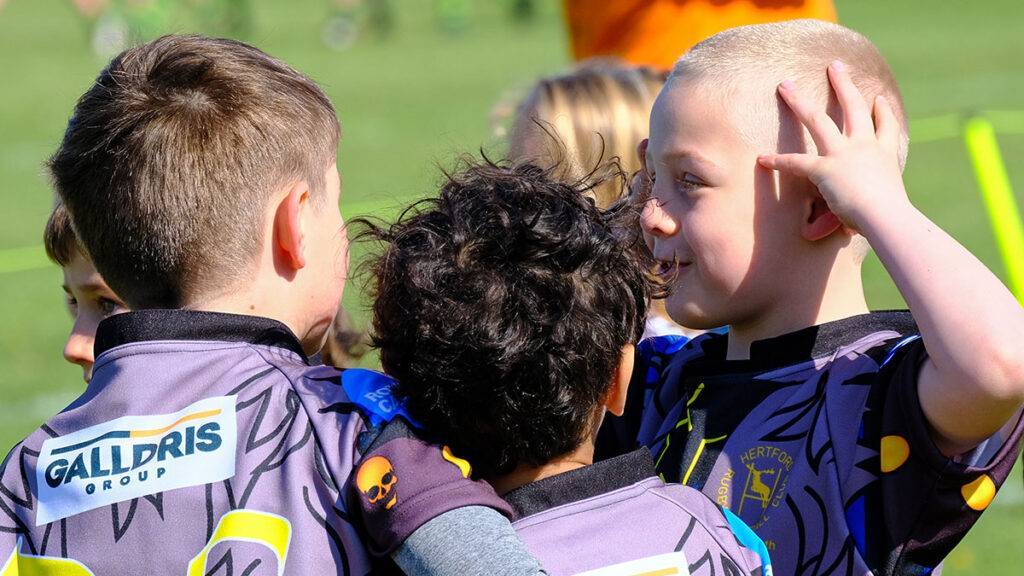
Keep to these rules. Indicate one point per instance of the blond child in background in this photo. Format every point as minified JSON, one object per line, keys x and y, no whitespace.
{"x":577,"y":122}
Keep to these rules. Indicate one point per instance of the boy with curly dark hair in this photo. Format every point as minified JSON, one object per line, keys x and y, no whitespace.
{"x":507,"y":308}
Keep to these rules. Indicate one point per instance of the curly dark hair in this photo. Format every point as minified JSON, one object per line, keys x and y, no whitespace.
{"x":502,"y":307}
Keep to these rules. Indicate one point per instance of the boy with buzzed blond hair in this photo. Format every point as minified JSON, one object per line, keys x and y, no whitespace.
{"x":852,"y":442}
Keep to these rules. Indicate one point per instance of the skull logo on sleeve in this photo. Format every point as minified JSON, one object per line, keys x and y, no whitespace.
{"x":376,"y":479}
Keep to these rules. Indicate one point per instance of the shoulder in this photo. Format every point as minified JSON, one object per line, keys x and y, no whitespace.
{"x":18,"y":475}
{"x":719,"y":527}
{"x":666,"y":344}
{"x":660,"y":352}
{"x":368,"y":391}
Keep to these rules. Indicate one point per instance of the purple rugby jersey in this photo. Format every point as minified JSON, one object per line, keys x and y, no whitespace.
{"x":617,"y":517}
{"x":207,"y":444}
{"x":817,"y":442}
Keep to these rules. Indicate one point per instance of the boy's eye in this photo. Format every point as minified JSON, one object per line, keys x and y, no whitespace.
{"x":108,"y":306}
{"x":71,"y":304}
{"x":689,"y":182}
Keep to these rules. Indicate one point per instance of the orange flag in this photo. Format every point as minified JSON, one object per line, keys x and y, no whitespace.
{"x":658,"y":32}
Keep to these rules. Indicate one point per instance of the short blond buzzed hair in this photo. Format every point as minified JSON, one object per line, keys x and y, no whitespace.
{"x":799,"y":50}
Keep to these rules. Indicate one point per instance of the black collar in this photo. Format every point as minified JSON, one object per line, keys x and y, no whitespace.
{"x":582,"y":483}
{"x":148,"y":325}
{"x":806,"y":344}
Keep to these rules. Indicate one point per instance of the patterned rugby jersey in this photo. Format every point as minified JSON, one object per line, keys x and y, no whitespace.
{"x":617,"y":517}
{"x":208,"y":444}
{"x":818,"y":442}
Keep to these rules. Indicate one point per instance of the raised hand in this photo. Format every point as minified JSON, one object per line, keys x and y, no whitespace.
{"x":856,"y":168}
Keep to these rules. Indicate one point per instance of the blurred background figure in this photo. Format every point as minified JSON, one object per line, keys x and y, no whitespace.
{"x":349,"y":18}
{"x":523,"y":10}
{"x":587,"y":123}
{"x":113,"y":25}
{"x":657,"y":32}
{"x":346,"y":344}
{"x":116,"y":24}
{"x":232,"y":18}
{"x":342,"y":26}
{"x":582,"y":119}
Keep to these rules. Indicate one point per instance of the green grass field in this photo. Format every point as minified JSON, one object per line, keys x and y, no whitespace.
{"x":418,"y":99}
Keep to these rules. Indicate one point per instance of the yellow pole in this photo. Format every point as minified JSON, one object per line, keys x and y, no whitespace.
{"x":996,"y":193}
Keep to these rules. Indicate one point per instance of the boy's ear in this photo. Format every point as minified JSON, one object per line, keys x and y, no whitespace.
{"x":615,"y":399}
{"x":819,"y":221}
{"x":289,"y":236}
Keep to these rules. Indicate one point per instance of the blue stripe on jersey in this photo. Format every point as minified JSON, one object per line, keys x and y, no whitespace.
{"x":855,"y":521}
{"x":748,"y":538}
{"x":664,"y":345}
{"x":371,"y":391}
{"x":899,"y":345}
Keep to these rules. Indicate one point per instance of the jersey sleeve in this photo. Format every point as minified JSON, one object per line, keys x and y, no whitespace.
{"x":929,"y":501}
{"x":401,"y":480}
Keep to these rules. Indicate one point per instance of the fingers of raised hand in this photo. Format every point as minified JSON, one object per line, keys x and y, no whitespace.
{"x":822,"y":128}
{"x":856,"y":114}
{"x":887,"y":126}
{"x":796,"y":164}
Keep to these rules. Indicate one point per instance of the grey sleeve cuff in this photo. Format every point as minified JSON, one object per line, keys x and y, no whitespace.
{"x":471,"y":540}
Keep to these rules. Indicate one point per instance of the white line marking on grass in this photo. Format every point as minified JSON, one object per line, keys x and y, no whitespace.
{"x":27,"y":258}
{"x":23,"y":259}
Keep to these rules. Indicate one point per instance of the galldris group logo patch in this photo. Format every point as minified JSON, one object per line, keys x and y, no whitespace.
{"x":136,"y":456}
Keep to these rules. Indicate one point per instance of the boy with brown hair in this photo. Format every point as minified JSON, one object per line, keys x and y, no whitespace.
{"x":88,"y":298}
{"x":853,"y":442}
{"x":200,"y":178}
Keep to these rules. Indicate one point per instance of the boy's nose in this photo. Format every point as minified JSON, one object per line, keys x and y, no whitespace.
{"x":655,"y":221}
{"x":78,"y":350}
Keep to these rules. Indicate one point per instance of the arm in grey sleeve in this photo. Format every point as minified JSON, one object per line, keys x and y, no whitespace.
{"x":471,"y":540}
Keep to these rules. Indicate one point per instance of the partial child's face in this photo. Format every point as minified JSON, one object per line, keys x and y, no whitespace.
{"x":327,"y":260}
{"x":712,"y":209}
{"x":89,"y":300}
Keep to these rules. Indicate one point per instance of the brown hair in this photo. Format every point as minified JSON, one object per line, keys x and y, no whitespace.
{"x":597,"y":112}
{"x":169,"y":158}
{"x":59,"y":237}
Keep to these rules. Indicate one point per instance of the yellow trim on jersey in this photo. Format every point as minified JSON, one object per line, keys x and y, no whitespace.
{"x":663,"y":572}
{"x":30,"y":565}
{"x":270,"y":530}
{"x":689,"y":425}
{"x":700,"y":450}
{"x":693,"y":397}
{"x":663,"y":451}
{"x":159,"y":431}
